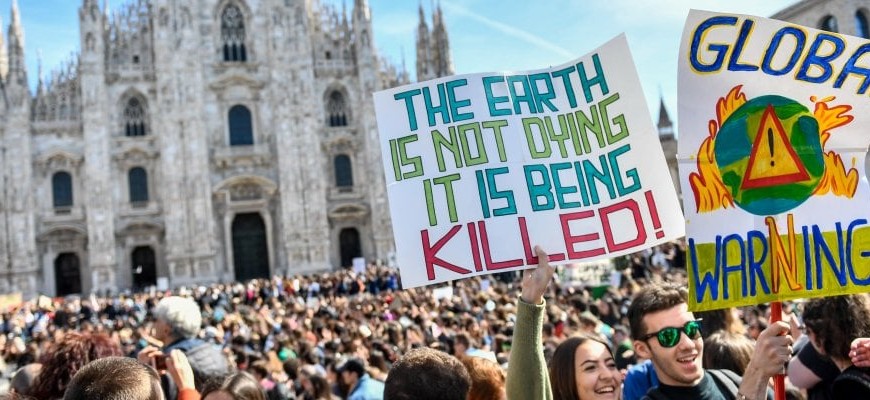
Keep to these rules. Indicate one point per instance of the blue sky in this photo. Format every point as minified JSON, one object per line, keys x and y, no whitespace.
{"x":485,"y":35}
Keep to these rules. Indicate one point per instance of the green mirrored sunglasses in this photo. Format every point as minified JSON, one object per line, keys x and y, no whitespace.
{"x":670,"y":336}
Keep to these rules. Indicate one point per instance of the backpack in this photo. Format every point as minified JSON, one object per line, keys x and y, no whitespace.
{"x":725,"y":379}
{"x":853,"y":382}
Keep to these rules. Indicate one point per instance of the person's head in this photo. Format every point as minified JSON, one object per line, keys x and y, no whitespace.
{"x":755,"y":327}
{"x":350,"y":371}
{"x":319,"y":387}
{"x":833,"y":322}
{"x":176,"y":318}
{"x":66,"y":357}
{"x":236,"y":386}
{"x":115,"y":378}
{"x":726,"y":350}
{"x":582,"y":367}
{"x":664,"y":331}
{"x":427,"y":374}
{"x":725,"y":319}
{"x":461,"y":344}
{"x":23,"y":379}
{"x":260,"y":369}
{"x":620,"y":334}
{"x":487,"y":379}
{"x":291,"y":368}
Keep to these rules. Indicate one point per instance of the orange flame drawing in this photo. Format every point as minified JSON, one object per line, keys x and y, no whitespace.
{"x":710,"y":193}
{"x":836,"y":179}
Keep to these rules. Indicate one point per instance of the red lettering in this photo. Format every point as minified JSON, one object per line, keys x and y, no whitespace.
{"x":475,"y":249}
{"x":605,"y":212}
{"x":487,"y":256}
{"x":531,"y":258}
{"x":570,"y":240}
{"x":430,"y":253}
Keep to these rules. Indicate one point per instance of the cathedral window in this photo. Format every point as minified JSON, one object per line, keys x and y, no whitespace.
{"x":343,"y":171}
{"x":134,"y":118}
{"x":233,"y":34}
{"x":861,"y":28}
{"x":829,"y":23}
{"x":336,"y":109}
{"x":241,"y":129}
{"x":62,"y":190}
{"x":137,"y":179}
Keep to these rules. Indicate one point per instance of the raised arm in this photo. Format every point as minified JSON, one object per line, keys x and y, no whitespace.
{"x":527,"y":376}
{"x":772,"y":352}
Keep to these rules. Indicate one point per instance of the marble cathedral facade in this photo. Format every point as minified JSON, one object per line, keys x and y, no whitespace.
{"x":197,"y":141}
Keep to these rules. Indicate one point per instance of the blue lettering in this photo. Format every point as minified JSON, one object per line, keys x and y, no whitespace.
{"x":851,"y":68}
{"x":708,"y":282}
{"x":756,"y":270}
{"x":493,"y":101}
{"x":538,"y":191}
{"x":728,"y":268}
{"x":821,"y":61}
{"x":800,"y":40}
{"x":734,"y":62}
{"x":719,"y":49}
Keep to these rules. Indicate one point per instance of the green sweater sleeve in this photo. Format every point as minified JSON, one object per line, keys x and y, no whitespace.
{"x":527,"y":377}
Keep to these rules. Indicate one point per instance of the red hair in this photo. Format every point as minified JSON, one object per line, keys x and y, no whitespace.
{"x":66,"y":357}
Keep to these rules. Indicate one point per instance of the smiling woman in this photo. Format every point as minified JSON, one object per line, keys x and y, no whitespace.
{"x":582,"y":367}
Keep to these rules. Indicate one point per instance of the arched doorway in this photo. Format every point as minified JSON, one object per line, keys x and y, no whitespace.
{"x":67,"y":274}
{"x":348,"y":240}
{"x":250,"y":249}
{"x":144,"y":267}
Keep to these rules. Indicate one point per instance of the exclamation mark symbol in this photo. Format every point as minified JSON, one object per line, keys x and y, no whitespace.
{"x":654,"y":213}
{"x":770,"y":145}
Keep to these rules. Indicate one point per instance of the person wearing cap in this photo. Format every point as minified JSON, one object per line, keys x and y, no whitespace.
{"x":352,"y":373}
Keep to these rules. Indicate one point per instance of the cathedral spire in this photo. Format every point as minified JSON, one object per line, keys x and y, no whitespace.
{"x":423,"y":67}
{"x":4,"y":55}
{"x":665,"y":126}
{"x":442,"y":59}
{"x":17,"y":69}
{"x":40,"y":84}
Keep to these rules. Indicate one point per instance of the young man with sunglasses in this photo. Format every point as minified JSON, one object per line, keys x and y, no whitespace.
{"x":664,"y":331}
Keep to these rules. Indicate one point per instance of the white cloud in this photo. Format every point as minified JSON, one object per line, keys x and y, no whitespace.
{"x":507,"y":29}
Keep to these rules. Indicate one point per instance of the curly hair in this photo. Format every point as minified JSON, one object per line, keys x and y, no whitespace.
{"x":66,"y":357}
{"x":836,"y":321}
{"x":427,"y":374}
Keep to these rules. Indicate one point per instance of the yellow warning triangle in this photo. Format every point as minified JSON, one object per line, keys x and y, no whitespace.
{"x":772,"y":160}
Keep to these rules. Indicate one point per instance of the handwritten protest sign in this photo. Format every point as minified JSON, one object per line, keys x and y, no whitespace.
{"x":482,"y":167}
{"x":772,"y":158}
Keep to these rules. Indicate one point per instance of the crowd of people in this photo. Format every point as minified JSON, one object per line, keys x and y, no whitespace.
{"x":359,"y":336}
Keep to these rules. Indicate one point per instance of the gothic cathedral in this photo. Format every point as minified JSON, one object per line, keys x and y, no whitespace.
{"x":197,"y":141}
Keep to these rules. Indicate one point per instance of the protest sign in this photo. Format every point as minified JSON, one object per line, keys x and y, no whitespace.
{"x":482,"y":167}
{"x":10,"y":301}
{"x":588,"y":274}
{"x":772,"y":160}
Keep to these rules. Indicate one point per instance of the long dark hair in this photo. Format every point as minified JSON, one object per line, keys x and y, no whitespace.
{"x":563,"y":374}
